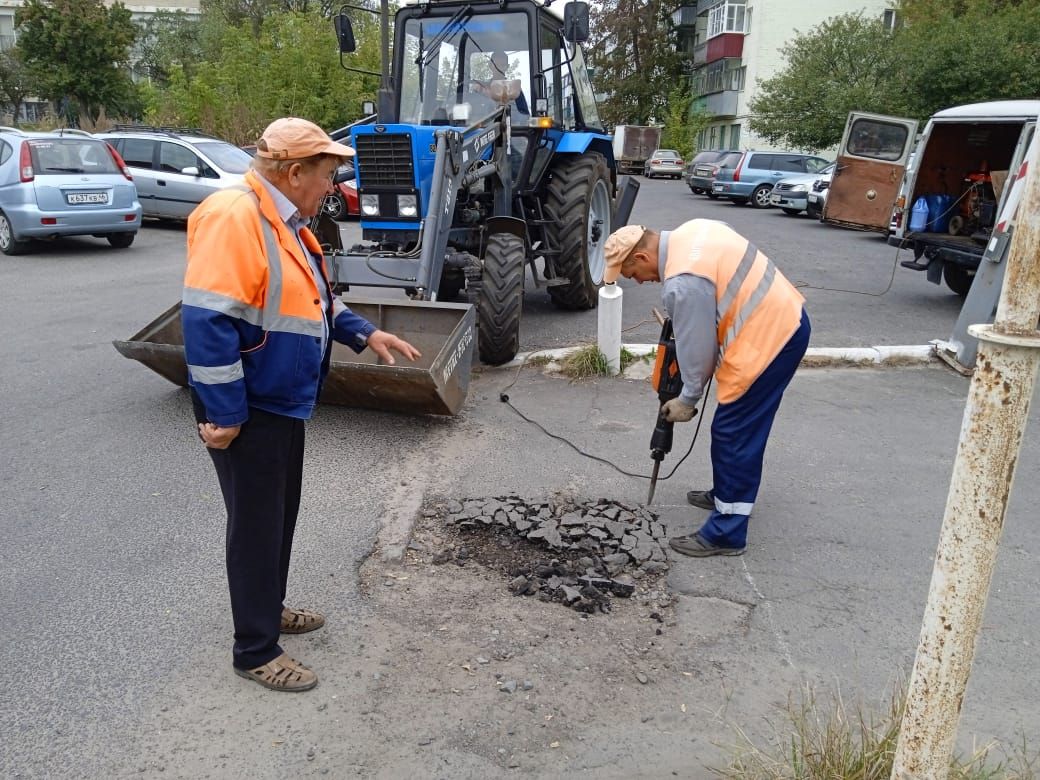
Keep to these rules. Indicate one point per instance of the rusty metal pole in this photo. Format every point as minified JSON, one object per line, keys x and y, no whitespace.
{"x":991,"y":437}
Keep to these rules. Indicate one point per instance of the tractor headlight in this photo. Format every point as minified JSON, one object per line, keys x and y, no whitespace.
{"x":370,"y":205}
{"x":406,"y":206}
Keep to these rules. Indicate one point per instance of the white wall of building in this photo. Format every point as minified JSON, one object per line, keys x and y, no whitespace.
{"x":773,"y":24}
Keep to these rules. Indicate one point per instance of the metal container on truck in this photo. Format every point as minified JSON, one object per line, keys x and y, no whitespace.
{"x":633,"y":145}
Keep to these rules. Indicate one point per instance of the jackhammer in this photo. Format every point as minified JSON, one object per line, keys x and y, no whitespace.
{"x":667,"y":381}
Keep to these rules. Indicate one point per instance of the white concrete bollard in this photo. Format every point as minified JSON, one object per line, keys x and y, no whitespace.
{"x":609,"y":335}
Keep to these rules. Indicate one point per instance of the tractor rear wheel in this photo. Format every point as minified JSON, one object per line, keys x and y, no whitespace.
{"x":581,"y":209}
{"x":498,"y":294}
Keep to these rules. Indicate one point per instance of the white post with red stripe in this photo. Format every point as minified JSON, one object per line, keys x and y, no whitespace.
{"x":991,"y":437}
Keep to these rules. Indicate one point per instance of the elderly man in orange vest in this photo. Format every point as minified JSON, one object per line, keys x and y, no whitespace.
{"x":737,"y":317}
{"x":259,"y":319}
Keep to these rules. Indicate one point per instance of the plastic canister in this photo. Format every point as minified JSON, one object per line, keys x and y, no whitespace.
{"x":940,"y":209}
{"x":919,"y":216}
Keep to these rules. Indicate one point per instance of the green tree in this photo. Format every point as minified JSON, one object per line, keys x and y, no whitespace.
{"x":76,"y":52}
{"x":292,"y":69}
{"x":633,"y":52}
{"x":168,"y":40}
{"x":683,"y":124}
{"x":15,"y":82}
{"x":967,"y":53}
{"x":925,"y":11}
{"x":841,"y":65}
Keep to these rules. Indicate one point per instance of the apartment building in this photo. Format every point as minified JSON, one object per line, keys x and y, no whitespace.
{"x":732,"y":46}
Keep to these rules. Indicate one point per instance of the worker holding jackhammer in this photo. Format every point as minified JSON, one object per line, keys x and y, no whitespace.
{"x":735,"y":316}
{"x":259,"y":319}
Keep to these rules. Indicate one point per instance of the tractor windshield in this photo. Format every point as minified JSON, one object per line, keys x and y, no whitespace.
{"x":470,"y":60}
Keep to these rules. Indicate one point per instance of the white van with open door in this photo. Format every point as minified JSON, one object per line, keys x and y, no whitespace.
{"x":871,"y":161}
{"x":958,"y":182}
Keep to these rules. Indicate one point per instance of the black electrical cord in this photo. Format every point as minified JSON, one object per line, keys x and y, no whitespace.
{"x":895,"y":261}
{"x":503,"y":396}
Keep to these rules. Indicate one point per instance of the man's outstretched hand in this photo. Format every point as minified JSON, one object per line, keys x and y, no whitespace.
{"x":382,"y":343}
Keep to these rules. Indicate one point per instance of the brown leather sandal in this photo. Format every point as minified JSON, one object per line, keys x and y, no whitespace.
{"x":300,"y":621}
{"x":281,"y":674}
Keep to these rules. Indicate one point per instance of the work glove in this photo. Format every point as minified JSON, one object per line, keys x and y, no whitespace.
{"x":678,"y":410}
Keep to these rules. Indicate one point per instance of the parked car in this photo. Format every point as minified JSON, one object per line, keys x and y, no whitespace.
{"x":343,"y":202}
{"x":753,"y":177}
{"x":664,"y":162}
{"x":791,"y":194}
{"x":816,"y":198}
{"x":176,"y":168}
{"x":701,"y":170}
{"x":65,"y":183}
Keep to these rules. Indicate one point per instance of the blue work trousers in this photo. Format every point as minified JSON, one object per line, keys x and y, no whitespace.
{"x":739,"y":432}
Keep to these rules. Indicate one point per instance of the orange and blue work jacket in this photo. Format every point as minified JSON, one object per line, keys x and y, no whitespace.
{"x":253,"y":315}
{"x":731,"y":309}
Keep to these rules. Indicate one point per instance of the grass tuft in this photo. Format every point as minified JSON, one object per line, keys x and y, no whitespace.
{"x":835,"y":742}
{"x":585,"y":362}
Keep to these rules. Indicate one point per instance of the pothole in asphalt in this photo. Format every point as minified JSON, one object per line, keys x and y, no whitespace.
{"x":578,"y":554}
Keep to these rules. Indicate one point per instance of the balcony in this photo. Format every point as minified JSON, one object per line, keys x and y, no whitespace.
{"x":704,"y":5}
{"x":684,"y":16}
{"x":725,"y":45}
{"x":718,"y":104}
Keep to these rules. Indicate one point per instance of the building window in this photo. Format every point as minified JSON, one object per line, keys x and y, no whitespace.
{"x":722,"y":137}
{"x":729,"y":17}
{"x":713,"y":137}
{"x":736,"y":78}
{"x":734,"y":137}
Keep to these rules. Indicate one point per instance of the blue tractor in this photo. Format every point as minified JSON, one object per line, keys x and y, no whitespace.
{"x":486,"y":155}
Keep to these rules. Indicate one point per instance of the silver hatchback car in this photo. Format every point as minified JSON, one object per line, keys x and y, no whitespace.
{"x":175,"y":168}
{"x":64,"y":183}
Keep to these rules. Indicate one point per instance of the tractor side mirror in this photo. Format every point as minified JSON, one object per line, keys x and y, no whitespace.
{"x":576,"y":22}
{"x":344,"y":34}
{"x":368,"y":108}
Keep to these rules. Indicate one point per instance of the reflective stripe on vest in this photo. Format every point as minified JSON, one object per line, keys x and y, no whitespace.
{"x":730,"y":294}
{"x":272,"y":319}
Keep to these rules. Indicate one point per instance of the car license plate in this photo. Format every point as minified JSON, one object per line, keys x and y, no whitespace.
{"x":87,"y":197}
{"x":813,"y":198}
{"x":716,"y":188}
{"x":776,"y":200}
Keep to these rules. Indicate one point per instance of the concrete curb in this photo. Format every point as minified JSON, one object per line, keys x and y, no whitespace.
{"x":815,"y":357}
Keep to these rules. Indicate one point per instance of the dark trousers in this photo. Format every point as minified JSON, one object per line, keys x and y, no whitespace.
{"x":739,"y":432}
{"x":260,"y":476}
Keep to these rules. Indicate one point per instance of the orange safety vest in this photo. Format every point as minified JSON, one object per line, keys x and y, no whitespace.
{"x":757,"y":309}
{"x":252,"y":315}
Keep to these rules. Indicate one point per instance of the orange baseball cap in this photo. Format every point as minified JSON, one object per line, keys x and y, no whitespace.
{"x":292,"y":138}
{"x":617,"y":248}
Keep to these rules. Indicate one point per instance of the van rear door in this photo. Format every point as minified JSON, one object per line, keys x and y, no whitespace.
{"x":870,"y":165}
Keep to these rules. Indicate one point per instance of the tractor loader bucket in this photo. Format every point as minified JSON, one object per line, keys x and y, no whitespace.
{"x":436,"y":383}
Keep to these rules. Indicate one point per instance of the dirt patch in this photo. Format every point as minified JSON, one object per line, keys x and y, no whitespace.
{"x":532,"y":673}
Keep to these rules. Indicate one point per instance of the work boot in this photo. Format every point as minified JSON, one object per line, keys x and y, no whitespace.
{"x":696,"y":546}
{"x":705,"y":499}
{"x":281,"y":674}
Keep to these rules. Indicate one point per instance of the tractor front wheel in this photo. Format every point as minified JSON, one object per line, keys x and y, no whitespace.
{"x":498,"y":294}
{"x":581,"y":208}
